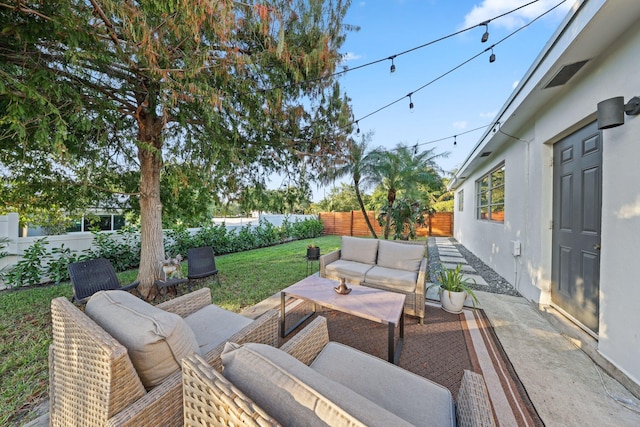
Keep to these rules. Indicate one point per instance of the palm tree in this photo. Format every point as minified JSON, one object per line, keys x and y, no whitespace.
{"x":401,"y":169}
{"x":357,"y":166}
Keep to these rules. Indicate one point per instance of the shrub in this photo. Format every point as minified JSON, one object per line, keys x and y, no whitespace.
{"x":123,"y":253}
{"x":307,"y":229}
{"x":29,"y":270}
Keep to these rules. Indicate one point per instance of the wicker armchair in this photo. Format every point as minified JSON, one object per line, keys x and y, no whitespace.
{"x":211,"y":399}
{"x":93,"y":381}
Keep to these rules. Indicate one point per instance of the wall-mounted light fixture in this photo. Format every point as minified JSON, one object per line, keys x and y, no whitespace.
{"x":611,"y":111}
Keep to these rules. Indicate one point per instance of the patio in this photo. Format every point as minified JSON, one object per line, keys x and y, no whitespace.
{"x":564,"y":384}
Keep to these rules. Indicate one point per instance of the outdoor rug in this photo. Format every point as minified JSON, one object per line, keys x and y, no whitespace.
{"x":440,"y":350}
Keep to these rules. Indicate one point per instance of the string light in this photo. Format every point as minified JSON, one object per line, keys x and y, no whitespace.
{"x":392,"y":69}
{"x":348,"y":69}
{"x":455,"y":140}
{"x":485,"y":36}
{"x":358,"y":127}
{"x":491,"y":59}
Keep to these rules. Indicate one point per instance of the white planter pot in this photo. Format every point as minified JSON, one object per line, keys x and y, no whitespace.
{"x":452,"y":302}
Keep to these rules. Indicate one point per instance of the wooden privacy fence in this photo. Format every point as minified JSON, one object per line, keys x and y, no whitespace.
{"x":353,"y":224}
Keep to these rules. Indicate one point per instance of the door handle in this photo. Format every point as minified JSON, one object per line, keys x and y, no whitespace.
{"x":597,"y":246}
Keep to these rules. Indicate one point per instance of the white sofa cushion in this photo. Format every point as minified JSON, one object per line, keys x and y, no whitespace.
{"x":212,"y":325}
{"x":156,"y":340}
{"x":290,"y":391}
{"x":400,"y":256}
{"x":353,"y":272}
{"x":359,"y":250}
{"x":407,"y":395}
{"x":392,"y":279}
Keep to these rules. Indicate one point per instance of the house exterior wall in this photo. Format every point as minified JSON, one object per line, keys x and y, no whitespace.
{"x":529,"y":191}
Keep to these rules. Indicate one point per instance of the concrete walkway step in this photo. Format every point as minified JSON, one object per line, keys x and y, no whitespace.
{"x":464,"y":267}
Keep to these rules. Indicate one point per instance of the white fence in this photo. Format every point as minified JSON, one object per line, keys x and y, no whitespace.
{"x":81,"y":241}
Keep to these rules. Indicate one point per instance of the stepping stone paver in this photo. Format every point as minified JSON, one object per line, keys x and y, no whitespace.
{"x":447,"y":252}
{"x":465,"y":267}
{"x":457,"y":260}
{"x":478,"y":279}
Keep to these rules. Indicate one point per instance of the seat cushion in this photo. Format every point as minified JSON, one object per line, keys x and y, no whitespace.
{"x":400,"y":256}
{"x":359,"y":250}
{"x":354,"y":272}
{"x":156,"y":340}
{"x":290,"y":391}
{"x":407,"y":395}
{"x":395,"y":280}
{"x":212,"y":325}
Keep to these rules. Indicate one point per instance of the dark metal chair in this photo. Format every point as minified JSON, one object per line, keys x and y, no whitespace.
{"x":91,"y":276}
{"x":201,"y":263}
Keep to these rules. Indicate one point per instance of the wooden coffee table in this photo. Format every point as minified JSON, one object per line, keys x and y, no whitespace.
{"x":368,"y":303}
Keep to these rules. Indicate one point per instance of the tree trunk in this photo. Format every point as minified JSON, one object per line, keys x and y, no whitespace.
{"x":364,"y":212}
{"x":391,"y":197}
{"x":151,"y":237}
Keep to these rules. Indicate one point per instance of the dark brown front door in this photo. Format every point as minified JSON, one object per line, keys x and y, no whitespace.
{"x":577,"y":209}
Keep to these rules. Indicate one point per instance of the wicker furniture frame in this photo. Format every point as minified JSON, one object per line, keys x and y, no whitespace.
{"x":210,"y":399}
{"x":92,"y":381}
{"x":414,"y":302}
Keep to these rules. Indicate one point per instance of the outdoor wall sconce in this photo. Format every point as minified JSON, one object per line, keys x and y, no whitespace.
{"x":611,"y":111}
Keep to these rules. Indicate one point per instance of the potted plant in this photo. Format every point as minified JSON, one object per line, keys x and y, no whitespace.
{"x":454,"y":290}
{"x":313,"y":252}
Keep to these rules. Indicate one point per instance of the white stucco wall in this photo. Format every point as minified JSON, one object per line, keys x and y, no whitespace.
{"x":529,"y":190}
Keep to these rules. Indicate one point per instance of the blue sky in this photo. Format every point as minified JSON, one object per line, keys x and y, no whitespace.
{"x":466,"y":98}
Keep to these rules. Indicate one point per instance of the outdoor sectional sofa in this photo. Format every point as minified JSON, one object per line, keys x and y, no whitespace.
{"x":389,"y":265}
{"x":311,"y":381}
{"x":119,"y":364}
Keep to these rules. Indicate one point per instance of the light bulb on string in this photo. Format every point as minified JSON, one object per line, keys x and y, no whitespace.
{"x":415,"y":149}
{"x":485,"y":36}
{"x":410,"y":102}
{"x":357,"y":127}
{"x":392,"y":69}
{"x":492,"y":58}
{"x":455,"y":140}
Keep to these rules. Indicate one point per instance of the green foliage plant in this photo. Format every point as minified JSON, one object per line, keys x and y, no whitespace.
{"x":29,"y":270}
{"x":122,"y":249}
{"x":406,"y":216}
{"x":453,"y":280}
{"x":59,"y":260}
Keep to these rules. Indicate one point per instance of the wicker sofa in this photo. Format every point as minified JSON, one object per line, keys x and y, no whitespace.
{"x":389,"y":265}
{"x":324,"y":383}
{"x":93,"y":381}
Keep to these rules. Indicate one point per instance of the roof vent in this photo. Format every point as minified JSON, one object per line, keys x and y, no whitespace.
{"x":565,"y":74}
{"x":486,"y":154}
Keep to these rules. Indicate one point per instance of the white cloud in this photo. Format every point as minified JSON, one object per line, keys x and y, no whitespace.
{"x":515,"y":84}
{"x":489,"y":115}
{"x":460,"y":125}
{"x":489,"y":9}
{"x":349,"y":56}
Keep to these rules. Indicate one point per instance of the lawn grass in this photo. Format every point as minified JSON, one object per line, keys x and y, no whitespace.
{"x":25,"y":315}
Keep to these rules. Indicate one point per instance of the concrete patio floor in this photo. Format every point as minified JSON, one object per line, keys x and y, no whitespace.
{"x":565,"y":385}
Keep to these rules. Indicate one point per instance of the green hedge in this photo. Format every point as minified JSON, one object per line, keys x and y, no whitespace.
{"x":124,"y":253}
